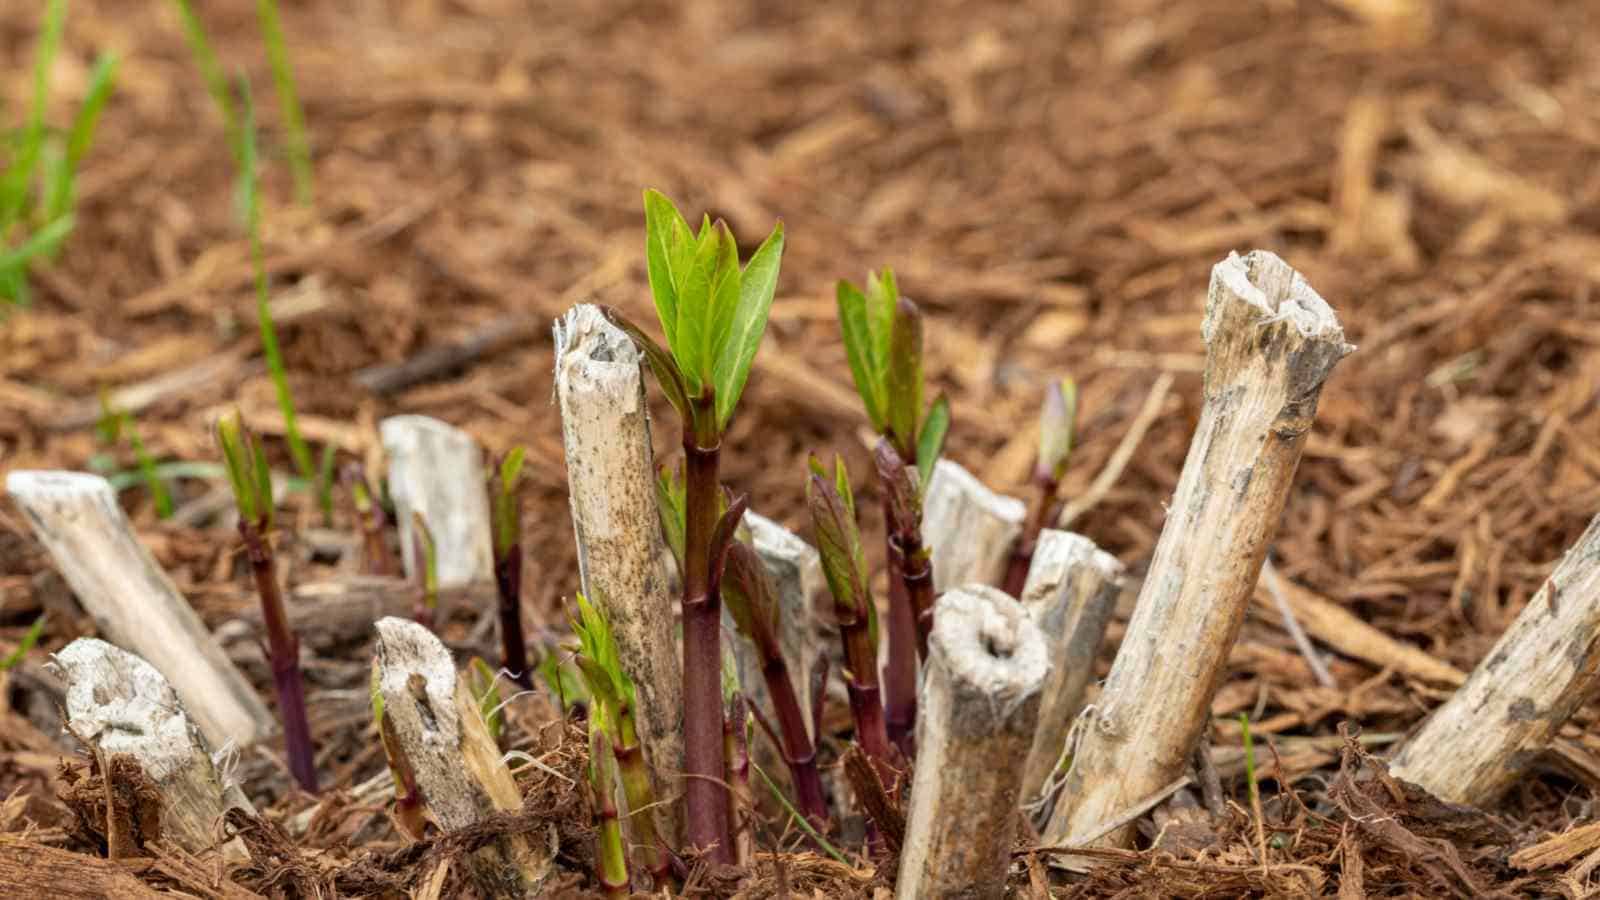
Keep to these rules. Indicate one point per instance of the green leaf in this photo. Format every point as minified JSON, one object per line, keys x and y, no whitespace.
{"x":882,"y":292}
{"x":860,"y":350}
{"x":504,"y":505}
{"x":660,"y":217}
{"x":903,"y":384}
{"x":930,"y":443}
{"x":18,"y":174}
{"x":757,"y":286}
{"x":1058,"y":429}
{"x":29,"y":639}
{"x":694,"y":313}
{"x":724,"y":300}
{"x":666,"y":370}
{"x":671,"y":506}
{"x":723,"y":537}
{"x":82,"y":134}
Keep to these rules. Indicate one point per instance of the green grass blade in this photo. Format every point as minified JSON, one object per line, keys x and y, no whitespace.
{"x":19,"y":174}
{"x":147,"y":471}
{"x":799,"y":820}
{"x":38,"y":244}
{"x":757,"y":286}
{"x":29,"y":638}
{"x":62,"y":186}
{"x":288,"y":99}
{"x":205,"y":59}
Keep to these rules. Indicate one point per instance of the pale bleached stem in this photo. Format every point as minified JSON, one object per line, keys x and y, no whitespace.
{"x":120,"y":703}
{"x":980,"y":701}
{"x":133,"y":602}
{"x":1489,"y":734}
{"x":605,"y":426}
{"x":436,"y":469}
{"x":968,"y":528}
{"x":1071,"y":591}
{"x":459,"y":770}
{"x":1271,"y":342}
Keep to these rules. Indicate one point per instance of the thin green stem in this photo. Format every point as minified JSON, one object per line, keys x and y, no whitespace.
{"x":288,"y":99}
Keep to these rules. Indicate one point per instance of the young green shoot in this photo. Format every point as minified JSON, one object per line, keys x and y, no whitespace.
{"x":713,"y":312}
{"x":611,"y":856}
{"x":1253,"y":785}
{"x":112,"y":426}
{"x":205,"y":59}
{"x":613,"y":702}
{"x":376,"y":559}
{"x":29,"y":639}
{"x":251,"y":481}
{"x":1058,"y":433}
{"x":505,"y":505}
{"x":844,"y":563}
{"x":294,"y":120}
{"x":37,"y":186}
{"x":408,"y":811}
{"x":319,"y":477}
{"x":427,"y":606}
{"x":882,"y":334}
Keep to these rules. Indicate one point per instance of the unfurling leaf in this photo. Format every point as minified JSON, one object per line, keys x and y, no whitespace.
{"x":758,"y":283}
{"x":246,"y":464}
{"x":865,"y":366}
{"x":1058,"y":429}
{"x":838,"y":541}
{"x":751,"y":598}
{"x":662,"y":364}
{"x":662,"y":222}
{"x":900,"y":485}
{"x":930,"y":443}
{"x":505,"y":503}
{"x":904,"y":376}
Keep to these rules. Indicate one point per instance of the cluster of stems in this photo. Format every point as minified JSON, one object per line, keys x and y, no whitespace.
{"x":505,"y":504}
{"x":882,"y":334}
{"x":1058,"y":431}
{"x":613,"y":706}
{"x":251,"y":481}
{"x":611,"y":857}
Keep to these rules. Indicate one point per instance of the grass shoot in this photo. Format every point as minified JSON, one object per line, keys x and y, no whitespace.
{"x":110,"y":429}
{"x":294,"y":120}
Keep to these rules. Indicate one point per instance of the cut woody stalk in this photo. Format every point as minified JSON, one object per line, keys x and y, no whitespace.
{"x":833,"y":513}
{"x":882,"y":334}
{"x":1271,"y":342}
{"x":714,"y":314}
{"x":505,"y":504}
{"x":1483,"y":739}
{"x":748,"y":590}
{"x":1058,"y":432}
{"x":251,"y":481}
{"x":614,"y":703}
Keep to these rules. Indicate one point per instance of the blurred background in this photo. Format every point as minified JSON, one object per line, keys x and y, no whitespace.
{"x":1052,"y":181}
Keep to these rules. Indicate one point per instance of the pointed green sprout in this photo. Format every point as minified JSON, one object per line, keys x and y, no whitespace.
{"x":598,"y":661}
{"x":1058,"y":429}
{"x":844,"y":561}
{"x":29,"y":639}
{"x":113,"y":424}
{"x":248,"y":475}
{"x":883,"y":340}
{"x":712,"y":311}
{"x":507,"y":509}
{"x":427,"y":554}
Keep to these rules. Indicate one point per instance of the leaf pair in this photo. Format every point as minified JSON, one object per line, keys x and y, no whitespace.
{"x":712,"y":311}
{"x":883,"y":339}
{"x":248,"y":475}
{"x":844,"y":561}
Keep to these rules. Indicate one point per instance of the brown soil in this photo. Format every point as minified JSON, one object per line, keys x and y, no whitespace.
{"x":1051,"y":180}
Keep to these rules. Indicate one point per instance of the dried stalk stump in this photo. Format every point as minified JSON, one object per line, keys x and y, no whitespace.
{"x":436,"y":469}
{"x":1271,"y":342}
{"x":605,"y":427}
{"x":133,"y":602}
{"x":1491,"y":732}
{"x":121,"y":703}
{"x":980,"y":701}
{"x":1071,"y":590}
{"x":458,"y":767}
{"x":968,"y":528}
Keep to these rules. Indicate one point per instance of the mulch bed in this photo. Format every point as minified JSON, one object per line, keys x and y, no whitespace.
{"x":1050,"y":180}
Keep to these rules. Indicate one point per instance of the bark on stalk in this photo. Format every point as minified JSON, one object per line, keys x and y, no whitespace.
{"x":437,"y":470}
{"x":1071,"y":591}
{"x":283,"y":654}
{"x":610,"y":472}
{"x":968,"y":528}
{"x":122,"y":703}
{"x":980,"y":700}
{"x":1492,"y":731}
{"x":133,"y":602}
{"x":1271,"y":343}
{"x":458,"y":766}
